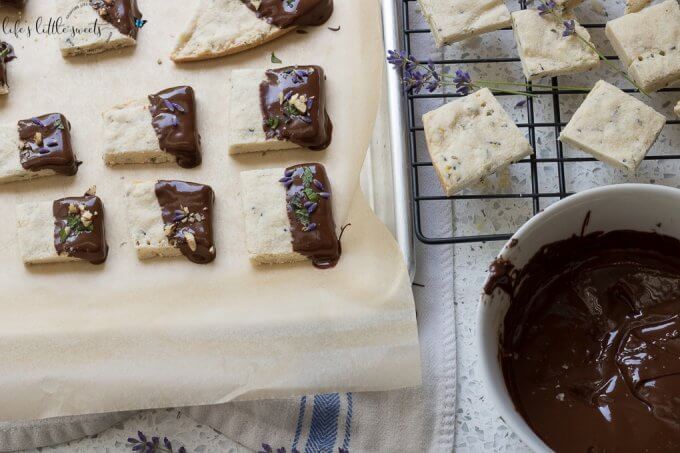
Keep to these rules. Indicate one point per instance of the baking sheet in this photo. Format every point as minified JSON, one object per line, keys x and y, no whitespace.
{"x":130,"y":335}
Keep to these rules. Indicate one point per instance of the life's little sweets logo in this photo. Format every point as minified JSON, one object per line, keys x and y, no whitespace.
{"x":49,"y":26}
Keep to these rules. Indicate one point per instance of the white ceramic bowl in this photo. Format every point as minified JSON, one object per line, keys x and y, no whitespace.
{"x":639,"y":207}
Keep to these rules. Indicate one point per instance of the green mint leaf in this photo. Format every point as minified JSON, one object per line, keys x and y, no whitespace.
{"x":275,"y":59}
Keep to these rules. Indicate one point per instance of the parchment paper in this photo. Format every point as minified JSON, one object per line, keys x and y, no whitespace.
{"x":80,"y":339}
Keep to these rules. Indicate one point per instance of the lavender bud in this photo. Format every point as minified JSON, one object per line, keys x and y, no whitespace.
{"x":324,"y":195}
{"x":170,"y":106}
{"x":311,"y":208}
{"x":289,"y":173}
{"x":318,"y":184}
{"x":38,"y":122}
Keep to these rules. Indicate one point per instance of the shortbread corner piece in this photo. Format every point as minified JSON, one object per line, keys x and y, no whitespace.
{"x":278,"y":109}
{"x":118,"y":19}
{"x":288,"y":216}
{"x":456,"y":20}
{"x":36,"y":147}
{"x":633,"y":6}
{"x":159,"y":129}
{"x":544,"y":49}
{"x":648,"y":44}
{"x":172,"y":218}
{"x":223,"y":27}
{"x":614,"y":127}
{"x":471,"y":138}
{"x":68,"y":229}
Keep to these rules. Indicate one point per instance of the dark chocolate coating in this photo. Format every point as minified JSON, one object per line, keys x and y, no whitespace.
{"x":320,"y":243}
{"x":591,"y":342}
{"x":173,"y":115}
{"x":291,"y":13}
{"x":46,"y":144}
{"x":310,"y":129}
{"x":80,"y":243}
{"x":198,"y":199}
{"x":14,"y":3}
{"x":119,"y":13}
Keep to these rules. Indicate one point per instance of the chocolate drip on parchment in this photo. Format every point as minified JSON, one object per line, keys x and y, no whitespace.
{"x":308,"y":201}
{"x":591,"y":343}
{"x":173,"y":113}
{"x":119,"y":13}
{"x":187,"y":215}
{"x":46,"y":144}
{"x":79,"y":228}
{"x":292,"y":13}
{"x":293,"y":103}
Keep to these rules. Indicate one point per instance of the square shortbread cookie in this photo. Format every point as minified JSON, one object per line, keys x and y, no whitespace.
{"x":543,"y":49}
{"x":69,"y":229}
{"x":471,"y":138}
{"x":83,"y":14}
{"x":129,"y":137}
{"x":648,"y":43}
{"x":171,"y":218}
{"x":36,"y":147}
{"x":246,"y":134}
{"x":288,"y":215}
{"x":158,"y":129}
{"x":614,"y":127}
{"x":455,"y":20}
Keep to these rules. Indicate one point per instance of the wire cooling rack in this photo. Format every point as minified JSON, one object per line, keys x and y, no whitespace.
{"x":536,"y":192}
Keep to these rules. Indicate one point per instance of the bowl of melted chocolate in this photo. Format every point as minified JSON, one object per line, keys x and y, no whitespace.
{"x":579,"y":324}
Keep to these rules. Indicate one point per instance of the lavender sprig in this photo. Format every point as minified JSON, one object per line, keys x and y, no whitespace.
{"x":551,"y":8}
{"x":416,"y":76}
{"x":143,"y":444}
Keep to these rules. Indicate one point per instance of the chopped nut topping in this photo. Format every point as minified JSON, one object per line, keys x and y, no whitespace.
{"x":72,"y":209}
{"x":92,"y":191}
{"x":299,"y":102}
{"x":38,"y":139}
{"x":191,"y":240}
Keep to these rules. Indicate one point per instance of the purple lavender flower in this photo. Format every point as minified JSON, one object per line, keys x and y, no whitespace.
{"x":463,"y":82}
{"x":311,"y":227}
{"x":547,"y":7}
{"x":312,"y":207}
{"x":37,"y":122}
{"x":142,"y":444}
{"x":324,"y":195}
{"x":318,"y":184}
{"x":569,"y":28}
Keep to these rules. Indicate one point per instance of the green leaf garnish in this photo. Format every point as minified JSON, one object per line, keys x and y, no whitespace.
{"x":273,"y":122}
{"x":275,"y":59}
{"x":59,"y":124}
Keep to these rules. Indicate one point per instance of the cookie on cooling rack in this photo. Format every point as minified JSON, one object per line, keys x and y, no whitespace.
{"x":544,"y":50}
{"x":647,"y":44}
{"x":470,"y":138}
{"x":158,"y":129}
{"x":614,"y":127}
{"x":455,"y":20}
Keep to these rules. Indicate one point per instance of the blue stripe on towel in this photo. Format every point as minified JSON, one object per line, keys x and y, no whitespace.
{"x":348,"y":423}
{"x":301,"y":419}
{"x":324,"y":429}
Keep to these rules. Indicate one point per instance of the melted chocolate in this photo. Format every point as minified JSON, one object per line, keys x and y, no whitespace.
{"x":311,"y":217}
{"x":46,"y":144}
{"x":591,"y":343}
{"x":173,"y":113}
{"x":6,"y":55}
{"x":119,"y":13}
{"x":74,"y":235}
{"x":293,"y":13}
{"x":293,"y":103}
{"x":187,"y":214}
